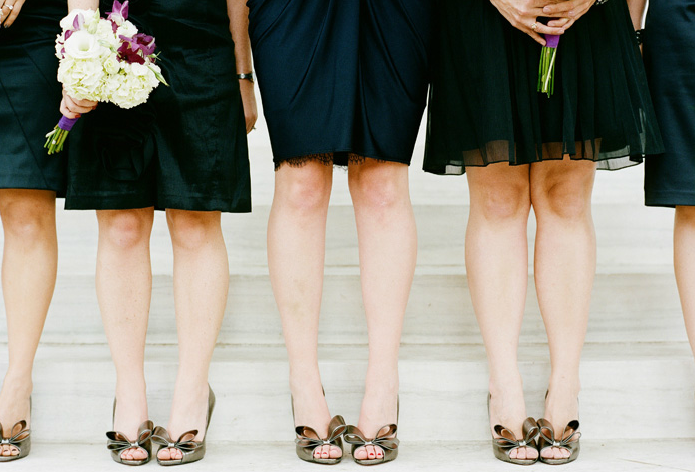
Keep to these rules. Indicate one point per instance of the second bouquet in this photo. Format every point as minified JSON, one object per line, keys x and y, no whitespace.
{"x":103,"y":60}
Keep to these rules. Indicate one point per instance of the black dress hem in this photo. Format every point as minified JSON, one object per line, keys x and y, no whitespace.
{"x":187,"y":203}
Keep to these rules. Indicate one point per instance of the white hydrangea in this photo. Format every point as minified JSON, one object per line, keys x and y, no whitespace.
{"x":127,"y":29}
{"x":137,"y":83}
{"x":82,"y":78}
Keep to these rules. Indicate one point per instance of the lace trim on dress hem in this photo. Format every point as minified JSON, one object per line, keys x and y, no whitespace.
{"x":327,"y":159}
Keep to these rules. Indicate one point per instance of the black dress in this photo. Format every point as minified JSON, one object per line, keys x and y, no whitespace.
{"x":186,"y":148}
{"x":341,"y":80}
{"x":484,"y":104}
{"x":669,"y":53}
{"x":30,"y":98}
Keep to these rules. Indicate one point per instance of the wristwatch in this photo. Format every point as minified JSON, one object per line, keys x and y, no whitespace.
{"x":250,"y":77}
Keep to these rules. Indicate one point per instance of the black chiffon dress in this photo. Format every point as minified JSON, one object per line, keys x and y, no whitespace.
{"x":341,"y":80}
{"x":186,"y":147}
{"x":669,"y":54}
{"x":484,"y":103}
{"x":30,"y":98}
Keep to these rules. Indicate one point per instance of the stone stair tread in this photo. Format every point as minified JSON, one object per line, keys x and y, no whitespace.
{"x":625,"y":308}
{"x":444,"y":456}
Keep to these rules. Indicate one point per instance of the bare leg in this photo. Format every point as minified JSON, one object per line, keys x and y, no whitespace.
{"x":296,"y":251}
{"x":497,"y":268}
{"x":565,"y":265}
{"x":28,"y":278}
{"x":124,"y":290}
{"x":388,"y":252}
{"x":201,"y":284}
{"x":684,"y":261}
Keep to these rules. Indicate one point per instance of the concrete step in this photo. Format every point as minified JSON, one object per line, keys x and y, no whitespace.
{"x":625,"y":309}
{"x":630,"y":390}
{"x":444,"y":456}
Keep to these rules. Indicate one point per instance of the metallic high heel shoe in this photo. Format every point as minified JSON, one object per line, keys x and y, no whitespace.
{"x":506,"y":441}
{"x":20,"y":437}
{"x":191,"y":450}
{"x":570,"y":441}
{"x":119,"y":442}
{"x":385,"y":438}
{"x":308,"y":439}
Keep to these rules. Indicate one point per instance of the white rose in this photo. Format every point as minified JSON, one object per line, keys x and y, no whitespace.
{"x":138,"y":70}
{"x":127,"y":29}
{"x":82,"y":45}
{"x":105,"y":35}
{"x":112,"y":65}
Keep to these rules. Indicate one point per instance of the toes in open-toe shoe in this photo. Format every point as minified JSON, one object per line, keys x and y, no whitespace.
{"x":20,"y":438}
{"x":569,"y":442}
{"x":308,"y":440}
{"x":191,"y":450}
{"x":118,"y":443}
{"x":385,"y":439}
{"x":505,"y":442}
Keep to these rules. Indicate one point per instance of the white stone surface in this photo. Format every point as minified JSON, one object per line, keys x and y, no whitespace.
{"x":440,"y":456}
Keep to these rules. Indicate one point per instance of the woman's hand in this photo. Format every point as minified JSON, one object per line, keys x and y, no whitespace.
{"x":71,"y":108}
{"x":568,"y":11}
{"x":9,"y":11}
{"x":248,"y":98}
{"x":523,"y":15}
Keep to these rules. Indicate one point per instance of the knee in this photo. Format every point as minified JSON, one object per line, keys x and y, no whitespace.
{"x":27,"y":220}
{"x":124,"y":229}
{"x":307,"y":191}
{"x":192,"y":229}
{"x":503,"y":203}
{"x":563,"y":199}
{"x":378,"y":188}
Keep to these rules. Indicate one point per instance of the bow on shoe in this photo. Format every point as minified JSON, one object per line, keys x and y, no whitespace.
{"x":385,"y":437}
{"x":19,"y":434}
{"x":507,"y":440}
{"x":569,"y":435}
{"x":308,"y":437}
{"x":185,"y":443}
{"x":119,"y":442}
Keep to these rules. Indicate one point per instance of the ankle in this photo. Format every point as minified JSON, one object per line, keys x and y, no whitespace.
{"x":18,"y":383}
{"x":306,"y":383}
{"x":564,"y":385}
{"x":505,"y":385}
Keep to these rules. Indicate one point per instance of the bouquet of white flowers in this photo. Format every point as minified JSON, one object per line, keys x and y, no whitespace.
{"x":103,"y":60}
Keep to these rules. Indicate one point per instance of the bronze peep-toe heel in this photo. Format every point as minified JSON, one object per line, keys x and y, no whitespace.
{"x":191,"y":450}
{"x":119,"y":442}
{"x":569,"y":441}
{"x":307,"y":439}
{"x":20,"y":437}
{"x":386,"y":438}
{"x":506,"y":441}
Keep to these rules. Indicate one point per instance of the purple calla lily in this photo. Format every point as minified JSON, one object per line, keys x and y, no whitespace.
{"x":78,"y":22}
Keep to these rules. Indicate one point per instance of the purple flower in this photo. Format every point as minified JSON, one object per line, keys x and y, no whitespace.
{"x":140,"y":42}
{"x":127,"y":54}
{"x":552,"y":41}
{"x":118,"y":13}
{"x":78,"y":22}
